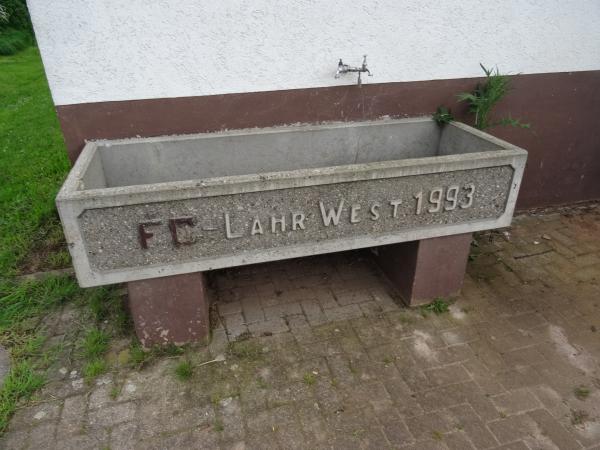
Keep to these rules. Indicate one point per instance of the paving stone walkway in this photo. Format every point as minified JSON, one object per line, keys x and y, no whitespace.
{"x":319,"y":354}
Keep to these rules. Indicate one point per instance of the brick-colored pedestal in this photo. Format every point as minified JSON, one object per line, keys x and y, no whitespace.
{"x":426,"y":269}
{"x":170,"y":310}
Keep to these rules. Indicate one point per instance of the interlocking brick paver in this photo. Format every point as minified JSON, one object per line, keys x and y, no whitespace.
{"x":513,"y":428}
{"x":343,"y":313}
{"x":252,"y":310}
{"x":282,"y":310}
{"x":553,"y":430}
{"x":42,"y":435}
{"x":430,"y":425}
{"x":320,"y":353}
{"x":469,"y":422}
{"x":112,"y":415}
{"x":271,"y":326}
{"x":72,"y":419}
{"x":123,"y":436}
{"x":515,"y":401}
{"x":447,"y":375}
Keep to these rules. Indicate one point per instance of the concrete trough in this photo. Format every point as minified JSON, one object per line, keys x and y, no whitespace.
{"x":152,"y":207}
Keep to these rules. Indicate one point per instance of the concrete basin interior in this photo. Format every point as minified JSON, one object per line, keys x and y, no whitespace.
{"x":141,"y":161}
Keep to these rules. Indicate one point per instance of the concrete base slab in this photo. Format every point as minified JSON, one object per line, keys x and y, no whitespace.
{"x":170,"y":310}
{"x":426,"y":269}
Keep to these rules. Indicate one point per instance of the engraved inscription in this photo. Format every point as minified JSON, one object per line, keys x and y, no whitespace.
{"x":330,"y":215}
{"x":231,"y":225}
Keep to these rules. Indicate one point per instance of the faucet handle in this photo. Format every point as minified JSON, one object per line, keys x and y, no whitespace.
{"x":342,"y":68}
{"x":364,"y":66}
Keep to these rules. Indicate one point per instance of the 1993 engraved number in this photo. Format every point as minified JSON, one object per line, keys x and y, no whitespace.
{"x":187,"y":230}
{"x":445,"y":199}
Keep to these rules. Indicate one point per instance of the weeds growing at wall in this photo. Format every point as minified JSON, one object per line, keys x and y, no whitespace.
{"x":482,"y":100}
{"x":443,"y":115}
{"x":486,"y":95}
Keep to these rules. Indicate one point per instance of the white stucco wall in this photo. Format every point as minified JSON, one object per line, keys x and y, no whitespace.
{"x":101,"y":50}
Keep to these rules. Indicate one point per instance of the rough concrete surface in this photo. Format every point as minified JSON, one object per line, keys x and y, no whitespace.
{"x":326,"y":358}
{"x":412,"y":182}
{"x":112,"y":241}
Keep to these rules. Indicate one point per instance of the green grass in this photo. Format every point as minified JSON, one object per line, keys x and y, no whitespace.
{"x":13,"y":41}
{"x":247,"y":349}
{"x":138,"y":356}
{"x":95,"y":344}
{"x":21,"y":308}
{"x":21,"y":383}
{"x":94,"y":368}
{"x":32,"y":158}
{"x":19,"y":302}
{"x":93,"y":347}
{"x":184,"y":370}
{"x":33,"y":164}
{"x":168,"y":350}
{"x":105,"y":303}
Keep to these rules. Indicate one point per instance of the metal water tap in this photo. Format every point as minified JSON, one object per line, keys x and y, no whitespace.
{"x":345,"y":68}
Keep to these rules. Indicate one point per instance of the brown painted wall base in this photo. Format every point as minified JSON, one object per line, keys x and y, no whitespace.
{"x":426,"y":269}
{"x":563,"y":108}
{"x":170,"y":310}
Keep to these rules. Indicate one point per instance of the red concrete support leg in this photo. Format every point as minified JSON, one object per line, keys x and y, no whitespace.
{"x":426,"y":269}
{"x":170,"y":310}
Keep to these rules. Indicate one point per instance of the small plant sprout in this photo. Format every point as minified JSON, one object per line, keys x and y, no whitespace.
{"x":438,"y":306}
{"x":95,"y":343}
{"x":138,"y":355}
{"x":443,"y":115}
{"x":94,"y":368}
{"x":261,"y":383}
{"x":216,"y":397}
{"x":184,"y":370}
{"x":579,"y":417}
{"x":487,"y":95}
{"x":358,"y":433}
{"x":309,"y":378}
{"x":581,"y":392}
{"x":114,"y":392}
